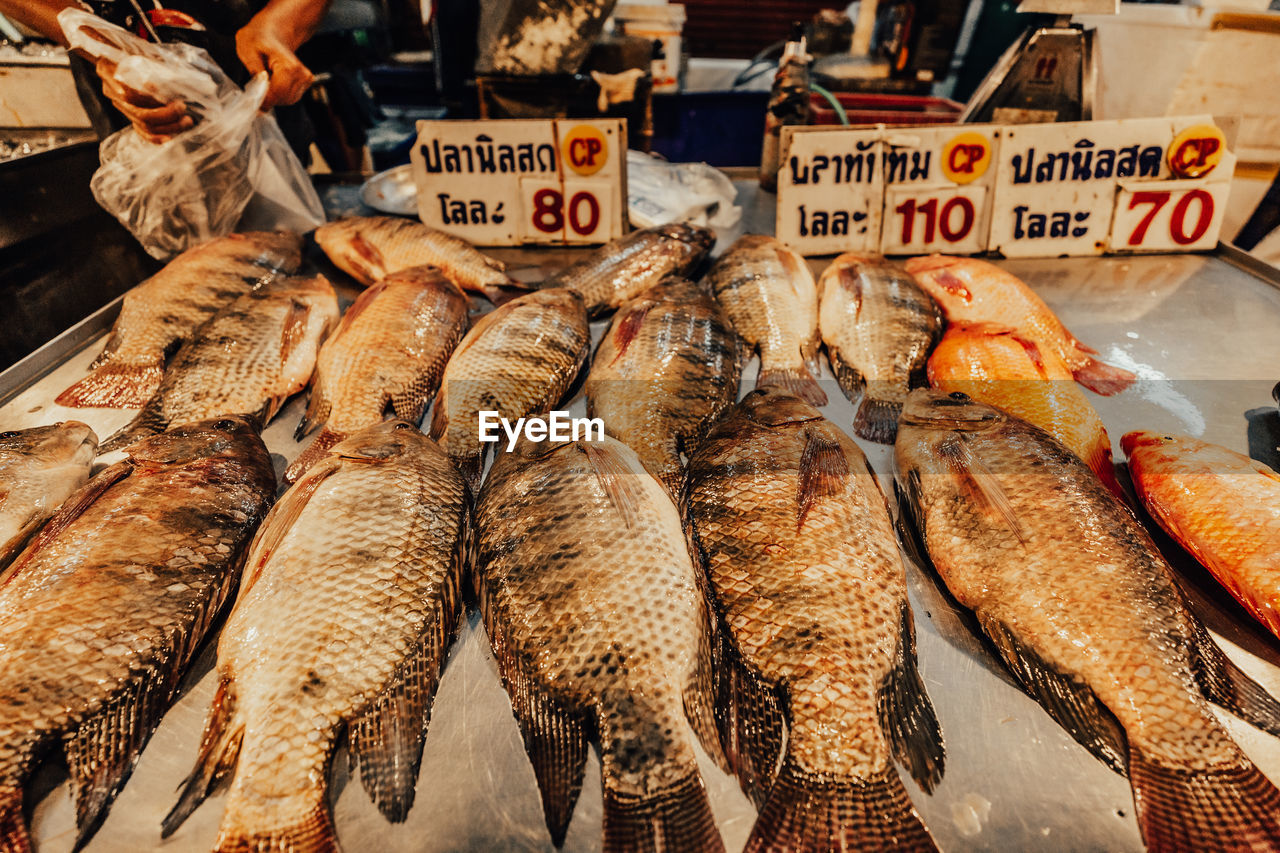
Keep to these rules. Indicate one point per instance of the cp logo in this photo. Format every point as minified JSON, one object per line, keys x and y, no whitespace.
{"x":1196,"y":151}
{"x":585,"y":149}
{"x":965,"y":157}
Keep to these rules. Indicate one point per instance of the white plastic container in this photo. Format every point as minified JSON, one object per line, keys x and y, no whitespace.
{"x":662,"y":22}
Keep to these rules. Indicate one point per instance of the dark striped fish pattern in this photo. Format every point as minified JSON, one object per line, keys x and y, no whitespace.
{"x":620,"y":269}
{"x":666,"y":369}
{"x":518,"y":360}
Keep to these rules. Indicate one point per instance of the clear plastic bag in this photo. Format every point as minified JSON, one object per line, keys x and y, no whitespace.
{"x":233,"y":169}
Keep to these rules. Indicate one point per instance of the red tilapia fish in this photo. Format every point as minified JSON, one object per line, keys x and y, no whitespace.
{"x":389,"y":350}
{"x":805,"y":570}
{"x":1085,"y":612}
{"x":1222,"y":506}
{"x":102,"y":612}
{"x":974,"y":292}
{"x":370,"y":248}
{"x":601,"y":631}
{"x":157,"y":316}
{"x":348,"y":607}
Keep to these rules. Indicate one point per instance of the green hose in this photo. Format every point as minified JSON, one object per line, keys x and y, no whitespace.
{"x":833,"y":101}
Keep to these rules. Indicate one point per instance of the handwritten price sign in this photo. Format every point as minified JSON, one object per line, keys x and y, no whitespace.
{"x":950,"y":221}
{"x":569,"y":211}
{"x":1168,"y":216}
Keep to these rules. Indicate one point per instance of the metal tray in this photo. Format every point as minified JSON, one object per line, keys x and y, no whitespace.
{"x":1201,"y":331}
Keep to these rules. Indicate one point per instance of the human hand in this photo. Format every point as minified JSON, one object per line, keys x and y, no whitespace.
{"x":267,"y":43}
{"x":154,"y":120}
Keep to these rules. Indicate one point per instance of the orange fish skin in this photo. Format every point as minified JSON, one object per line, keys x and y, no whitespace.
{"x":999,"y":368}
{"x":1221,"y":506}
{"x":972,"y":292}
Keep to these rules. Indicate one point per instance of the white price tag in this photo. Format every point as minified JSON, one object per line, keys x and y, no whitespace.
{"x":1164,"y":216}
{"x":919,"y":220}
{"x":569,"y":211}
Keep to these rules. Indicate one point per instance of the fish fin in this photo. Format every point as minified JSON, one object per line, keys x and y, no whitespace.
{"x":1101,"y":378}
{"x":318,"y":409}
{"x":794,"y":380}
{"x":310,"y":832}
{"x":877,"y":420}
{"x":150,"y":421}
{"x":807,"y":812}
{"x":1070,"y":702}
{"x":70,"y":509}
{"x":953,"y":285}
{"x":439,"y":415}
{"x":471,"y":466}
{"x":386,"y":739}
{"x":115,"y":385}
{"x":368,"y":265}
{"x":753,"y":724}
{"x":907,"y":715}
{"x":628,"y":326}
{"x":1184,"y":808}
{"x":619,"y":482}
{"x":294,"y":329}
{"x":1100,"y":462}
{"x":700,"y":694}
{"x":501,"y":294}
{"x":979,"y":483}
{"x":852,"y":282}
{"x":280,"y":521}
{"x":676,"y":818}
{"x":219,"y":752}
{"x":315,"y":451}
{"x":1080,"y":345}
{"x":15,"y":836}
{"x":1225,"y":684}
{"x":849,"y":379}
{"x":363,"y":301}
{"x":908,"y":521}
{"x":102,"y":751}
{"x":824,"y":471}
{"x":411,"y":404}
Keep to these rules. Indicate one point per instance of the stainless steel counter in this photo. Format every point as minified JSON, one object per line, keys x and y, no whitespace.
{"x":1202,"y":334}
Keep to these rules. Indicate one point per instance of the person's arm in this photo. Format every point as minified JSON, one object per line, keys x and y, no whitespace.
{"x":270,"y":41}
{"x":38,"y":15}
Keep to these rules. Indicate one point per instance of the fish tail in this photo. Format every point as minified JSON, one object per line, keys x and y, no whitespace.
{"x":675,"y":818}
{"x":219,"y":753}
{"x":877,"y":420}
{"x":316,"y":451}
{"x":1100,"y":461}
{"x":115,"y":385}
{"x":794,"y":380}
{"x":14,"y":835}
{"x":472,"y":467}
{"x":809,"y":812}
{"x":1181,"y":808}
{"x":309,"y":832}
{"x":147,"y":423}
{"x":1101,"y":378}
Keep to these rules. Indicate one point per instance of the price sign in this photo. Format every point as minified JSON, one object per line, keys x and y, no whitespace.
{"x":502,"y":183}
{"x":1168,"y":216}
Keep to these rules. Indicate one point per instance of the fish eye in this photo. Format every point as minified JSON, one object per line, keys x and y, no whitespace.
{"x":225,"y":424}
{"x":959,"y":396}
{"x":403,"y":425}
{"x":1166,"y":438}
{"x":13,"y":433}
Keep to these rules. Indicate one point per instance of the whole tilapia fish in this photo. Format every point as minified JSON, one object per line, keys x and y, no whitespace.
{"x":327,"y":634}
{"x":105,"y":609}
{"x":39,"y":469}
{"x":768,"y":292}
{"x":520,"y":359}
{"x":973,"y":292}
{"x":370,"y":248}
{"x":997,"y":367}
{"x":622,"y":268}
{"x":389,"y":350}
{"x":600,"y":629}
{"x":1086,"y":614}
{"x":246,"y":360}
{"x":805,"y":570}
{"x":665,"y":370}
{"x":1222,"y":506}
{"x":879,"y":326}
{"x":162,"y":312}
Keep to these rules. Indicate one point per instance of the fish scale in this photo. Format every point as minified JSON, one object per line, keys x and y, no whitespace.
{"x":349,"y":605}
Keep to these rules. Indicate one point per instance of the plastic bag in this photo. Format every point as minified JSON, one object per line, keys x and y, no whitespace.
{"x":659,"y":192}
{"x":232,"y":170}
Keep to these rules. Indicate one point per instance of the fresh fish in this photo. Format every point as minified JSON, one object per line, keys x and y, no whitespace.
{"x":106,"y":607}
{"x":389,"y":350}
{"x":39,"y":469}
{"x":600,"y":630}
{"x":768,"y":292}
{"x":158,"y":315}
{"x":973,"y":292}
{"x":349,"y":604}
{"x":879,"y":326}
{"x":370,"y":248}
{"x":621,"y":269}
{"x":1071,"y":591}
{"x":246,"y":360}
{"x":805,"y":571}
{"x":518,"y":360}
{"x":665,"y":370}
{"x":1222,"y":506}
{"x":999,"y":368}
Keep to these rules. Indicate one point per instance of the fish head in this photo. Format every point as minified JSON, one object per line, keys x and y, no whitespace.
{"x":1141,"y":439}
{"x":198,"y":440}
{"x":773,"y":407}
{"x":381,"y":442}
{"x":279,"y":251}
{"x":65,"y":443}
{"x":927,"y":409}
{"x":696,"y":239}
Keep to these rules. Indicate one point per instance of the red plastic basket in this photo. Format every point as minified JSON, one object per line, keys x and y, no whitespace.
{"x":885,"y":109}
